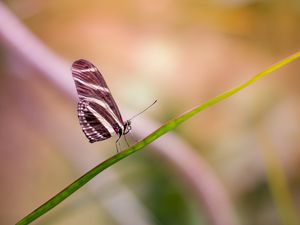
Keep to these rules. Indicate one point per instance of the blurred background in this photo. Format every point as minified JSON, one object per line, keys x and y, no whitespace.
{"x":240,"y":158}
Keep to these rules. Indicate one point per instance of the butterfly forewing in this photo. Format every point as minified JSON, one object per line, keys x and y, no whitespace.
{"x":98,"y":113}
{"x":91,"y":85}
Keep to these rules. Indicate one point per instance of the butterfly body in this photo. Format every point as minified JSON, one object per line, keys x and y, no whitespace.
{"x":98,"y":113}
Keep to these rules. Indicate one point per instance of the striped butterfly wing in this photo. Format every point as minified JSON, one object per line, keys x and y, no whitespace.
{"x":91,"y":125}
{"x":98,"y":112}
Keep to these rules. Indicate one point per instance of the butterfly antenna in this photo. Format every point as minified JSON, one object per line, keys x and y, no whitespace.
{"x":143,"y":110}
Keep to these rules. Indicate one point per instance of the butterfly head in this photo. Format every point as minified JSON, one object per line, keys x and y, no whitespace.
{"x":127,"y":126}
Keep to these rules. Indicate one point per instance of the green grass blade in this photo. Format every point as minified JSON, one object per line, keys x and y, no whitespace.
{"x":153,"y":136}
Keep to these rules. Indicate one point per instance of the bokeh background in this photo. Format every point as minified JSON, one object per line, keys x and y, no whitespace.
{"x":181,"y":53}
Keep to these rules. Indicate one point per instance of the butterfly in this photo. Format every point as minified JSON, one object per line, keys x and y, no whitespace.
{"x":98,"y":113}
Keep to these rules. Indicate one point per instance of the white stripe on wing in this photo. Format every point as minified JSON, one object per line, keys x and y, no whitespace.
{"x":94,"y":86}
{"x":106,"y":106}
{"x":93,"y":69}
{"x":105,"y":123}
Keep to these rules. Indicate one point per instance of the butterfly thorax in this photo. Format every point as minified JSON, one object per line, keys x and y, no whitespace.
{"x":127,"y":126}
{"x":122,"y":131}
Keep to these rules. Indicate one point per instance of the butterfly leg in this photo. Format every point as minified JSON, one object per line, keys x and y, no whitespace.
{"x":126,"y":141}
{"x":118,"y":143}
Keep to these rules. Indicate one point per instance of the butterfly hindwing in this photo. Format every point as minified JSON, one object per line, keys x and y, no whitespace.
{"x":91,"y":125}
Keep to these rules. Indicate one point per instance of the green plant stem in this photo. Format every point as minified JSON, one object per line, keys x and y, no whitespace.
{"x":153,"y":136}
